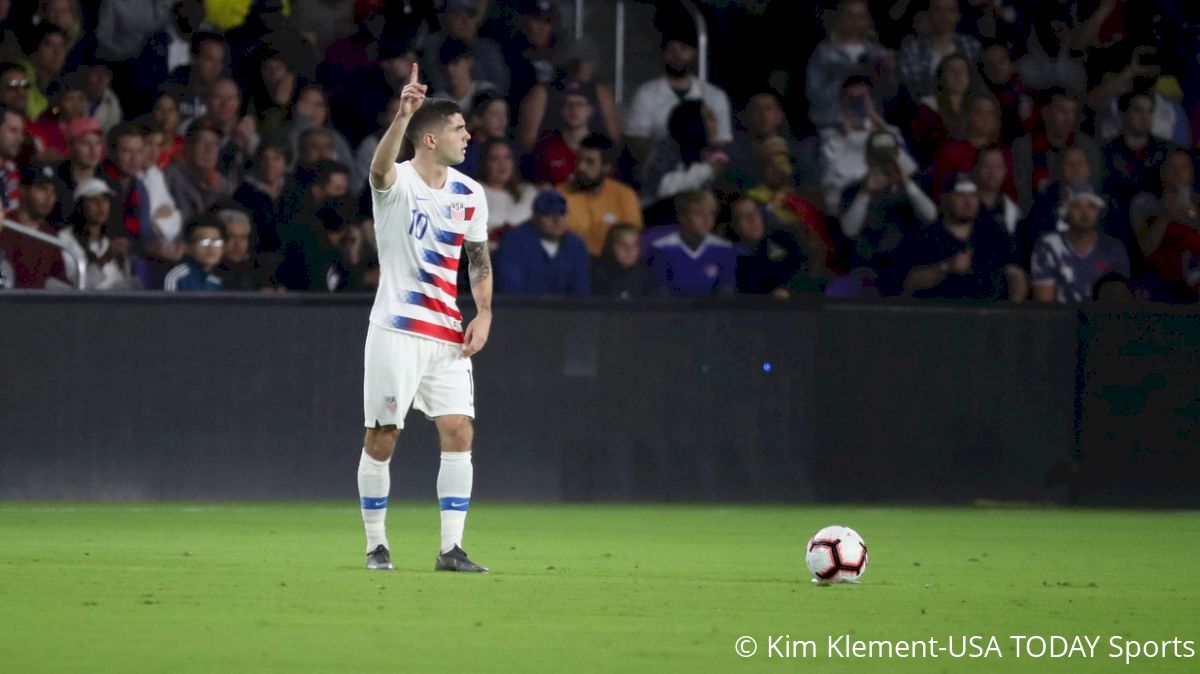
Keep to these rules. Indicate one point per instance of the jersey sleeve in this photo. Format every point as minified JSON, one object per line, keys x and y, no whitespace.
{"x":395,"y":196}
{"x":478,"y":230}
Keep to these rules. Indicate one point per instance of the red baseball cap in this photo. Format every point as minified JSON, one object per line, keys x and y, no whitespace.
{"x":81,"y":126}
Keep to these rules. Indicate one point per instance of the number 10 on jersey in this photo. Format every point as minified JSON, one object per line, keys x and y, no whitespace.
{"x":418,"y":225}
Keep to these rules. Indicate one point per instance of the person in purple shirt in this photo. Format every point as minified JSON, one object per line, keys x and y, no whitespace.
{"x":1067,"y":265}
{"x":693,"y":262}
{"x":541,"y":257}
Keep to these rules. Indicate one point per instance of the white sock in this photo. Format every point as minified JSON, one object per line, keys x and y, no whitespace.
{"x":374,"y":481}
{"x":454,"y":496}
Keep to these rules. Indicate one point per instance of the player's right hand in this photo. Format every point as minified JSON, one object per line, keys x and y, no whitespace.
{"x":413,"y":94}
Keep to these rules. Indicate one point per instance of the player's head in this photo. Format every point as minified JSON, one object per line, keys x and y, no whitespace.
{"x":437,"y":130}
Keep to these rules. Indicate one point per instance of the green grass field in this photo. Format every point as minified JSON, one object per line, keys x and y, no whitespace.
{"x":190,"y":588}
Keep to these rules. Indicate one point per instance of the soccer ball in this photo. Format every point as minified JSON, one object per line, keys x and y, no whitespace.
{"x":836,"y":554}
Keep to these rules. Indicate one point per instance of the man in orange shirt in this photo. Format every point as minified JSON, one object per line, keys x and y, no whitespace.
{"x":596,"y":201}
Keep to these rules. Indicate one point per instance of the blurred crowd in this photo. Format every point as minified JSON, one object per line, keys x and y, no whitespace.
{"x":963,"y":150}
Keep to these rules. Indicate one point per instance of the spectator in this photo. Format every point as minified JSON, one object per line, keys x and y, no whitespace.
{"x":620,"y":271}
{"x":356,"y":101}
{"x":880,"y":212}
{"x":945,"y":114}
{"x":190,"y":85}
{"x":12,"y":135}
{"x":85,"y":151}
{"x":532,"y":54}
{"x":961,"y":258}
{"x":1169,"y":121}
{"x":995,"y":207}
{"x":276,"y":90}
{"x":1074,"y":175}
{"x":1168,"y":230}
{"x":195,"y":183}
{"x":509,"y":198}
{"x":49,"y":131}
{"x":460,"y":21}
{"x":123,"y":26}
{"x":1036,"y":156}
{"x":595,"y":200}
{"x":983,"y":131}
{"x":849,"y":50}
{"x":692,"y":261}
{"x":35,"y":263}
{"x":353,"y":264}
{"x":920,"y":55}
{"x":87,"y":236}
{"x":240,"y":269}
{"x":489,"y":119}
{"x":46,"y":52}
{"x":237,"y":135}
{"x":777,"y":194}
{"x":125,"y":151}
{"x":165,"y":114}
{"x":169,"y":48}
{"x":1134,"y":159}
{"x":262,"y":193}
{"x":553,"y":157}
{"x":311,"y":111}
{"x":540,"y":109}
{"x":103,"y":104}
{"x":168,"y":223}
{"x":1067,"y":264}
{"x":198,"y":272}
{"x":458,"y":63}
{"x":14,"y":93}
{"x":687,"y":160}
{"x":541,"y":257}
{"x":306,"y":244}
{"x":771,"y":261}
{"x":648,"y":118}
{"x":843,"y":147}
{"x":763,"y":118}
{"x":1018,"y":113}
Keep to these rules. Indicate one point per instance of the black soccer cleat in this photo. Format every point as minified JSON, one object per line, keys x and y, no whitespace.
{"x":457,"y":560}
{"x":379,"y":559}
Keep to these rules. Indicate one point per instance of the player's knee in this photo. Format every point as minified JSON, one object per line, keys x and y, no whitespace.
{"x":379,"y":443}
{"x":457,"y":435}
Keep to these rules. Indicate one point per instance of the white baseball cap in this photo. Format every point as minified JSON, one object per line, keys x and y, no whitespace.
{"x":92,"y":187}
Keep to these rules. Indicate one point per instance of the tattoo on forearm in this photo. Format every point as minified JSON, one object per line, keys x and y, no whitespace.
{"x":480,"y":262}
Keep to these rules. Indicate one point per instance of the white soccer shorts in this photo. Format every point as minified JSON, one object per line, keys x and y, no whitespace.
{"x":404,"y":370}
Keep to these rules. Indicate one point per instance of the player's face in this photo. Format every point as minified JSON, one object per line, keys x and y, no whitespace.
{"x":450,"y":145}
{"x":207,"y":245}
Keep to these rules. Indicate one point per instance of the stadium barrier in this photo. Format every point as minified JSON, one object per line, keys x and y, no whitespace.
{"x":156,"y":396}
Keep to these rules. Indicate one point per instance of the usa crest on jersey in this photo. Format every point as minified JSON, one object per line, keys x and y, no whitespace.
{"x":458,"y":211}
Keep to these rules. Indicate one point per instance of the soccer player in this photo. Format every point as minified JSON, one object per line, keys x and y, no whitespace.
{"x":417,"y":352}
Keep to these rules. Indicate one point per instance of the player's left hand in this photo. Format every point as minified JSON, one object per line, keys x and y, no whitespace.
{"x":477,"y":334}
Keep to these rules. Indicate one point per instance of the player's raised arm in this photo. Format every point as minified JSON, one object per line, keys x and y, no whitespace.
{"x":383,"y":164}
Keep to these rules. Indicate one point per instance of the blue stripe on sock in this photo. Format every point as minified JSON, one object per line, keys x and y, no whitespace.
{"x":455,"y":503}
{"x":374,"y":503}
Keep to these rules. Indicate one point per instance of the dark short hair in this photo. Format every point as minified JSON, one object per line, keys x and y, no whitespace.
{"x":198,"y":127}
{"x":275,"y":143}
{"x":204,"y":220}
{"x":857,"y":79}
{"x":601,"y":142}
{"x":323,"y":171}
{"x":433,"y":114}
{"x":32,"y":38}
{"x":1126,"y":99}
{"x":453,"y":49}
{"x":123,"y":130}
{"x":5,"y":110}
{"x":202,"y":36}
{"x":1054,"y":92}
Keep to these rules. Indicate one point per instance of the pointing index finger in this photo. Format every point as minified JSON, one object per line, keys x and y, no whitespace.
{"x":413,"y":78}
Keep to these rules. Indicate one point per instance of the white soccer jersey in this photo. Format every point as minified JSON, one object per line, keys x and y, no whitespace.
{"x":420,"y":232}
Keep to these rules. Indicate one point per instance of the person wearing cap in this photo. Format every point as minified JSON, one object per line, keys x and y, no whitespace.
{"x":646,"y":123}
{"x":843,"y":148}
{"x":693,"y":262}
{"x":460,"y":20}
{"x":36,"y":264}
{"x":89,"y":234}
{"x":1065,"y":265}
{"x":595,"y":200}
{"x":541,"y":257}
{"x":85,"y":151}
{"x":957,"y":258}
